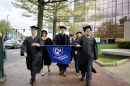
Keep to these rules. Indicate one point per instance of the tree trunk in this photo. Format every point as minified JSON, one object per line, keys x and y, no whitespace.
{"x":54,"y":28}
{"x":2,"y":35}
{"x":40,"y":17}
{"x":54,"y":23}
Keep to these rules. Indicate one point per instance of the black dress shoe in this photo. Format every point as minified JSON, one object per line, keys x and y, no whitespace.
{"x":31,"y":82}
{"x":82,"y":78}
{"x":93,"y":70}
{"x":88,"y":84}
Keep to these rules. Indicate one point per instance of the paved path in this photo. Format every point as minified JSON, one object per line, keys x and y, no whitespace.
{"x":13,"y":56}
{"x":18,"y":75}
{"x":122,"y":71}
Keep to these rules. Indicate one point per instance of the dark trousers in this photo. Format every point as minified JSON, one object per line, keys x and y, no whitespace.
{"x":76,"y":63}
{"x":72,"y":55}
{"x":62,"y":68}
{"x":89,"y":71}
{"x":33,"y":76}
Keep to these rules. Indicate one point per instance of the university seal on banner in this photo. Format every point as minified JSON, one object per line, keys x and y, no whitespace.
{"x":58,"y":51}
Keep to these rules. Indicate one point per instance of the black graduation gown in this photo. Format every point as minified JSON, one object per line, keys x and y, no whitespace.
{"x":57,"y":39}
{"x":88,"y":51}
{"x":34,"y":54}
{"x":72,"y":50}
{"x":57,"y":42}
{"x":46,"y":57}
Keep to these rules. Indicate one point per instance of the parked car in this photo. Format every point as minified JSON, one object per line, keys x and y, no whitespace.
{"x":20,"y":41}
{"x":12,"y":43}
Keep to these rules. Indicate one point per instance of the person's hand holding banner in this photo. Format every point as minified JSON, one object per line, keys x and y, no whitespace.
{"x":78,"y":45}
{"x":35,"y":44}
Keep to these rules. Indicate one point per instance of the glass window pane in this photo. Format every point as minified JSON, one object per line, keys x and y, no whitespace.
{"x":119,"y":1}
{"x":113,"y":0}
{"x":105,"y":5}
{"x":124,"y":1}
{"x":110,"y":4}
{"x":125,"y":8}
{"x":119,"y":9}
{"x":110,"y":0}
{"x":110,"y":11}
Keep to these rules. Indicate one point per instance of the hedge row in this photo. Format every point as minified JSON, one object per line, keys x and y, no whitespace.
{"x":123,"y":44}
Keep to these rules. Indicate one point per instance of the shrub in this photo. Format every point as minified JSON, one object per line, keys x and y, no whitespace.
{"x":124,"y":44}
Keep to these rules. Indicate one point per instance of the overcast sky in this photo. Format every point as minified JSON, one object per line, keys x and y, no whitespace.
{"x":17,"y":21}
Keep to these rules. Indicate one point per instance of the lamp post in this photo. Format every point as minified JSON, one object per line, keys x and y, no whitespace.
{"x":6,"y":29}
{"x":115,"y":18}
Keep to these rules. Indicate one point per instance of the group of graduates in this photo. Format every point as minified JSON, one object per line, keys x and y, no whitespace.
{"x":84,"y":51}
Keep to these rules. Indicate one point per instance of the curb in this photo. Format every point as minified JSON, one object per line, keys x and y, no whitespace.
{"x":121,"y":62}
{"x":111,"y":64}
{"x":2,"y":79}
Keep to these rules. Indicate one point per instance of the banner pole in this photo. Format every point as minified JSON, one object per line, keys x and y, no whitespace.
{"x":70,"y":45}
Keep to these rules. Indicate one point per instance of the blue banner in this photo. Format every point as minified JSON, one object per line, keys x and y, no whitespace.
{"x":59,"y":53}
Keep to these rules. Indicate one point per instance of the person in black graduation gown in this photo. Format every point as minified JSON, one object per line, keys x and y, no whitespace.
{"x":88,"y":53}
{"x":71,"y":43}
{"x":32,"y":51}
{"x":62,"y":39}
{"x":45,"y":56}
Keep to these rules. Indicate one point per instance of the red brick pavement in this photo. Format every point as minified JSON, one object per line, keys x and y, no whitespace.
{"x":18,"y":75}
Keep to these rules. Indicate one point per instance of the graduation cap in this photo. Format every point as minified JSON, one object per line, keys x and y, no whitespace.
{"x":71,"y":35}
{"x":78,"y":32}
{"x":34,"y":27}
{"x":62,"y":27}
{"x":87,"y":27}
{"x":44,"y":31}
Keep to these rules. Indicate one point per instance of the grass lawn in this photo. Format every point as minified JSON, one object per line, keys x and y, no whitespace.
{"x":106,"y":59}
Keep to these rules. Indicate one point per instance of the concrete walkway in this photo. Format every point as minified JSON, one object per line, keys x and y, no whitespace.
{"x":122,"y":71}
{"x":18,"y":75}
